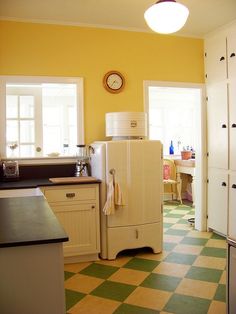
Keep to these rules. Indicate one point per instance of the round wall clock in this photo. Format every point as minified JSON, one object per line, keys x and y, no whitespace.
{"x":113,"y":81}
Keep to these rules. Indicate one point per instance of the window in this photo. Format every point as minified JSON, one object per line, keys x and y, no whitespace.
{"x":42,"y":116}
{"x":172,"y":116}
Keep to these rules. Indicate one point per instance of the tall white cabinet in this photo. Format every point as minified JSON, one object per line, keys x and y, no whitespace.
{"x":220,"y":70}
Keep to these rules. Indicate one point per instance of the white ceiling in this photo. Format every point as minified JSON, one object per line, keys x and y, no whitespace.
{"x":205,"y":15}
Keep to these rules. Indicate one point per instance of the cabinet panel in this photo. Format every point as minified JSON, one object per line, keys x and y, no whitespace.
{"x":71,"y":193}
{"x":231,"y":45}
{"x":218,"y":200}
{"x":217,"y":125}
{"x":232,"y":207}
{"x":232,"y":123}
{"x":79,"y":221}
{"x":215,"y":60}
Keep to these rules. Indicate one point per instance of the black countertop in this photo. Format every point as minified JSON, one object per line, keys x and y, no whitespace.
{"x":28,"y":221}
{"x":34,"y":183}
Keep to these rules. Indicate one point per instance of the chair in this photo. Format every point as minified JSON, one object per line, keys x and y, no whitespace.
{"x":170,"y":179}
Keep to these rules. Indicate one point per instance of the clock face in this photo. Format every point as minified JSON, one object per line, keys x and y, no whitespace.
{"x":113,"y":81}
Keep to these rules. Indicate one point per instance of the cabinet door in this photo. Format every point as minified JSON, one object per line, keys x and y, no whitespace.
{"x":217,"y":200}
{"x":231,"y":44}
{"x":80,"y":223}
{"x":217,"y":121}
{"x":138,"y":170}
{"x":215,"y":60}
{"x":232,"y":123}
{"x":232,"y":207}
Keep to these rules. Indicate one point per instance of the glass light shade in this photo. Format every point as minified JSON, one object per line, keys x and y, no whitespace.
{"x":166,"y":16}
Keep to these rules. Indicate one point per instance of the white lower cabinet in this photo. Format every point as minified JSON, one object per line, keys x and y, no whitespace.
{"x":232,"y":204}
{"x":218,"y":200}
{"x":77,"y":209}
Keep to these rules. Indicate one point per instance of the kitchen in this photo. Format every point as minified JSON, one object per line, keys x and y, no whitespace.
{"x":34,"y":49}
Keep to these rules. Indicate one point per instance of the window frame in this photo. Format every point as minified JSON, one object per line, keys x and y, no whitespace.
{"x":4,"y":80}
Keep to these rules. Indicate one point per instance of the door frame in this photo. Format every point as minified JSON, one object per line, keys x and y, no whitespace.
{"x":201,"y":147}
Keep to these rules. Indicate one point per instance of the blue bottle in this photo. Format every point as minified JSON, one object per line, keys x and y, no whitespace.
{"x":171,"y":148}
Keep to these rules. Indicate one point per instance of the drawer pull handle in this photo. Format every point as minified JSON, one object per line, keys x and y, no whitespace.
{"x":234,"y":125}
{"x":232,"y":55}
{"x":223,"y":126}
{"x":136,"y":234}
{"x":70,"y":195}
{"x":223,"y":184}
{"x":222,"y":58}
{"x":234,"y":186}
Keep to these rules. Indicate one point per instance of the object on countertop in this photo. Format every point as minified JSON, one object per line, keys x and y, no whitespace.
{"x":186,"y":154}
{"x":171,"y":148}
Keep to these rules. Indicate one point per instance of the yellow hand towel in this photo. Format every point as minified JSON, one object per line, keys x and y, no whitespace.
{"x":119,"y":200}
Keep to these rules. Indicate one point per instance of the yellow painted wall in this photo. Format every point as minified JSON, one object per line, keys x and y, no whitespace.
{"x":56,"y":50}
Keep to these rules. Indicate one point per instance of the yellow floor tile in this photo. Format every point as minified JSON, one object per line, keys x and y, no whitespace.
{"x":129,"y":276}
{"x":181,"y":227}
{"x":75,"y":268}
{"x":216,"y":243}
{"x":197,"y":288}
{"x":171,"y":269}
{"x":223,"y":278}
{"x":118,"y":262}
{"x":94,"y":305}
{"x":149,"y":298}
{"x":170,"y":220}
{"x":82,"y":283}
{"x":199,"y":234}
{"x":188,"y":249}
{"x":172,"y":238}
{"x":217,"y":307}
{"x":179,"y":211}
{"x":154,"y":256}
{"x":210,"y":262}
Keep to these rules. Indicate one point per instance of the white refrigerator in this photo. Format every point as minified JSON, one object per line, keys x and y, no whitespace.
{"x":136,"y":165}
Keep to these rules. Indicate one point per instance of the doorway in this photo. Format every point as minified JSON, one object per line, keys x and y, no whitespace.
{"x":186,"y":103}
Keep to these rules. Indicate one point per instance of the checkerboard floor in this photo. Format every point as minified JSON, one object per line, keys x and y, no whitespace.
{"x":188,"y":277}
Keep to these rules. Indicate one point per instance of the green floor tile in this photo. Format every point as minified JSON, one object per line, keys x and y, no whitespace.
{"x":179,"y":258}
{"x":220,"y":294}
{"x":183,"y":221}
{"x":161,"y":282}
{"x":169,"y":215}
{"x":167,"y":246}
{"x":132,"y":309}
{"x":180,"y":304}
{"x":72,"y":297}
{"x":68,"y":274}
{"x":194,"y":241}
{"x":177,"y":232}
{"x":167,"y":225}
{"x":142,"y":264}
{"x":204,"y":274}
{"x":99,"y":270}
{"x":113,"y":290}
{"x":215,"y":252}
{"x":217,"y":236}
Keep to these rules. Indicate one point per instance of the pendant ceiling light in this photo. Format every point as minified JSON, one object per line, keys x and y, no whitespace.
{"x":166,"y":16}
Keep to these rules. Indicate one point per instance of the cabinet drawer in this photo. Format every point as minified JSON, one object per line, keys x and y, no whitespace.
{"x":70,"y":194}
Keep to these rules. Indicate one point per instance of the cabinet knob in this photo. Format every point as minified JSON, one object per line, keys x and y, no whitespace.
{"x":92,"y":206}
{"x":232,"y":55}
{"x":222,"y":58}
{"x":70,"y":195}
{"x":234,"y":186}
{"x":224,"y":126}
{"x":234,"y":125}
{"x":223,"y":184}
